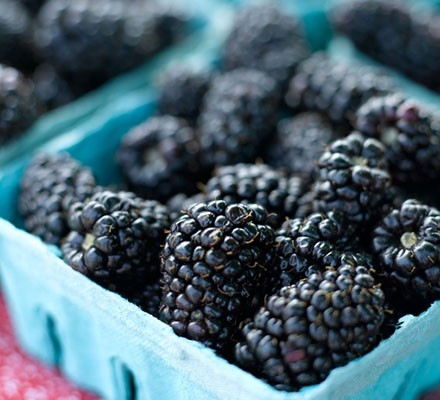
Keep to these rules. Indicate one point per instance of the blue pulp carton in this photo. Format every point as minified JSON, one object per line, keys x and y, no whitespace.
{"x":108,"y":345}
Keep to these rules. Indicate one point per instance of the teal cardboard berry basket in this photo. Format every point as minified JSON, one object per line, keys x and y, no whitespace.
{"x":109,"y":346}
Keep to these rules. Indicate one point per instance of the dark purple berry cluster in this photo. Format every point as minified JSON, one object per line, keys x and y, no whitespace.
{"x":272,"y":210}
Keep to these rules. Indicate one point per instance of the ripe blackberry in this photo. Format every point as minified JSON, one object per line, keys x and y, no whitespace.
{"x":180,"y":203}
{"x":299,"y":142}
{"x":147,"y":298}
{"x":181,"y":90}
{"x":115,"y":240}
{"x":394,"y":34}
{"x":19,"y":104}
{"x":410,"y":132}
{"x":52,"y":90}
{"x":33,"y":6}
{"x":49,"y":185}
{"x":312,"y":327}
{"x":160,"y":158}
{"x":307,"y":203}
{"x":216,"y":263}
{"x":394,"y":197}
{"x":91,"y":41}
{"x":313,"y":243}
{"x":375,"y":27}
{"x":335,"y":88}
{"x":16,"y":48}
{"x":263,"y":37}
{"x":238,"y":117}
{"x":353,"y":178}
{"x":406,"y":244}
{"x":274,"y":189}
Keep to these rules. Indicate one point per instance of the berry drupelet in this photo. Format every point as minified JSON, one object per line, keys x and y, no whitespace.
{"x":311,"y":327}
{"x":216,"y":264}
{"x":160,"y":158}
{"x":115,"y":239}
{"x":49,"y":185}
{"x":238,"y":116}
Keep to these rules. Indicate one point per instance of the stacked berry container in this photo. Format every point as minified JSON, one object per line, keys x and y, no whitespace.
{"x":109,"y":345}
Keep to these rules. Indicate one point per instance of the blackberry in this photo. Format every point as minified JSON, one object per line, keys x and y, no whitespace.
{"x":181,"y":90}
{"x":299,"y":142}
{"x":52,"y":90}
{"x":313,"y":243}
{"x":17,"y":49}
{"x":264,"y":37}
{"x":309,"y":328}
{"x":115,"y":240}
{"x":274,"y":189}
{"x":147,"y":298}
{"x":216,"y":264}
{"x":307,"y":203}
{"x":19,"y":104}
{"x":160,"y":158}
{"x":33,"y":6}
{"x":406,"y":244}
{"x":353,"y":178}
{"x":393,"y":197}
{"x":49,"y":185}
{"x":91,"y":41}
{"x":394,"y":34}
{"x":238,"y":116}
{"x":335,"y":88}
{"x":410,"y":132}
{"x":180,"y":202}
{"x":374,"y":26}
